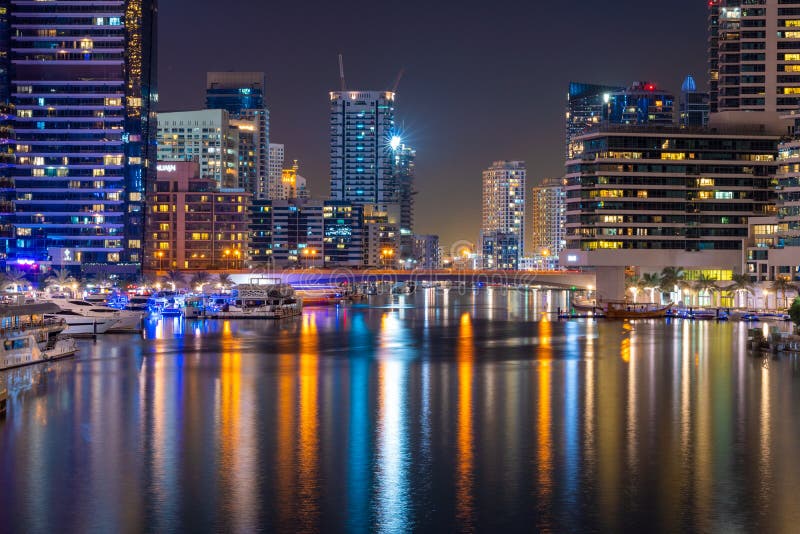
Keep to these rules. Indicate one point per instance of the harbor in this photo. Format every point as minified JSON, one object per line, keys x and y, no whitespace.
{"x":404,"y":400}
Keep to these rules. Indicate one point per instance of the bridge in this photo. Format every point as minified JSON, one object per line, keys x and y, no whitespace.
{"x":542,"y":279}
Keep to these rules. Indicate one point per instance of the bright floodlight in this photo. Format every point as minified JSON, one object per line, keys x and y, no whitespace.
{"x":395,"y":142}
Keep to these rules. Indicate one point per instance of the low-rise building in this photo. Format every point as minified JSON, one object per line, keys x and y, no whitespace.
{"x":427,"y":252}
{"x":300,"y":234}
{"x":192,"y":224}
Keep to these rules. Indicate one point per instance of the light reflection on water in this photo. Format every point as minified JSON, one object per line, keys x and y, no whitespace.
{"x":420,"y":412}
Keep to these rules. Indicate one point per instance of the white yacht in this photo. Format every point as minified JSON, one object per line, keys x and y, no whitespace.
{"x":262,"y":298}
{"x":29,"y":334}
{"x":85,"y":318}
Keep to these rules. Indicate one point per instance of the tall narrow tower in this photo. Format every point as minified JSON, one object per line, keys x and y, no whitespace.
{"x":361,"y":165}
{"x":82,"y":82}
{"x":242,"y":95}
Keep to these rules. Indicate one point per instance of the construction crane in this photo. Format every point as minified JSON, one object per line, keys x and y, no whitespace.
{"x":397,"y":81}
{"x":341,"y":74}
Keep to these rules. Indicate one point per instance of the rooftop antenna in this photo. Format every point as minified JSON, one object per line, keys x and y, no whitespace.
{"x":341,"y":73}
{"x":397,"y":81}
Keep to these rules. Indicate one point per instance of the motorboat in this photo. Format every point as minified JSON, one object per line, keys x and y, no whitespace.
{"x":584,"y":304}
{"x":262,"y":298}
{"x":30,"y":334}
{"x":627,"y":310}
{"x":85,"y":318}
{"x":138,"y":303}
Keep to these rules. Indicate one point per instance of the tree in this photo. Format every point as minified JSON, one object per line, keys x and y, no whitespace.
{"x":174,"y":278}
{"x":794,"y":311}
{"x":741,"y":284}
{"x":199,"y":279}
{"x":14,"y":278}
{"x":61,"y":279}
{"x":781,"y":285}
{"x":672,"y":277}
{"x":633,"y":283}
{"x":652,"y":283}
{"x":706,"y":284}
{"x":224,"y":280}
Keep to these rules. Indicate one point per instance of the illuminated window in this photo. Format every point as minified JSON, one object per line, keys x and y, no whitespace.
{"x":673,"y":155}
{"x":791,"y":57}
{"x":792,"y":90}
{"x":163,"y":245}
{"x":705,"y":182}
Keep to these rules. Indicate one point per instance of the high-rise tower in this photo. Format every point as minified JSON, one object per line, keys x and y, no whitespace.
{"x":754,"y":55}
{"x":242,"y":95}
{"x":503,"y":228}
{"x":362,"y":128}
{"x":82,"y":84}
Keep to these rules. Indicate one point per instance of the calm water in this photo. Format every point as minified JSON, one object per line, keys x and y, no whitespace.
{"x":432,"y":412}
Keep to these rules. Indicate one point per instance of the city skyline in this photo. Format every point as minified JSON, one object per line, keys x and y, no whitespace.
{"x":461,"y":96}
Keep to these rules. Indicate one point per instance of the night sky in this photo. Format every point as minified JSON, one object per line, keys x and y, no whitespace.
{"x":483,"y":80}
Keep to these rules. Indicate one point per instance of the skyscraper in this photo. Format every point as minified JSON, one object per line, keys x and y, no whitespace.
{"x":362,"y":128}
{"x":586,"y":104}
{"x":404,"y":157}
{"x":754,"y":55}
{"x":503,"y":228}
{"x":694,"y":105}
{"x":548,"y":222}
{"x":242,"y":95}
{"x":205,"y":135}
{"x":641,"y":103}
{"x":82,"y":82}
{"x":668,"y":196}
{"x":275,"y":171}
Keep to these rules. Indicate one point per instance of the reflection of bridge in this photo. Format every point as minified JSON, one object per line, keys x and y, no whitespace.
{"x":546,"y":279}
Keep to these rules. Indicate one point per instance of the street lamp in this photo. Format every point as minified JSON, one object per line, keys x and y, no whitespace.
{"x":237,"y":254}
{"x":160,"y":256}
{"x":387,"y":253}
{"x":227,"y":254}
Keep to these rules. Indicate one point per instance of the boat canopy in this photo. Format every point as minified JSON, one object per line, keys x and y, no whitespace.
{"x":21,"y":310}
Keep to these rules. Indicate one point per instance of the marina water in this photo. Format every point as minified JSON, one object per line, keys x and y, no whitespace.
{"x":444,"y":411}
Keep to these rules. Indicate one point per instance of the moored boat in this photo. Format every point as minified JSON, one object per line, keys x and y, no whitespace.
{"x":262,"y":298}
{"x":29,"y":334}
{"x":627,"y":310}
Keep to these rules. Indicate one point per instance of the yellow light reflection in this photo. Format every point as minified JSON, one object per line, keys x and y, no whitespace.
{"x":464,"y":496}
{"x":308,"y":449}
{"x":285,"y":454}
{"x":544,"y":409}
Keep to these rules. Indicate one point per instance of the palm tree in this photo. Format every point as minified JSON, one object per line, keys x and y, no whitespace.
{"x":13,"y":279}
{"x":741,"y":283}
{"x":633,"y":283}
{"x":175,"y":278}
{"x":706,"y":283}
{"x":225,"y":281}
{"x":782,"y":284}
{"x":651,"y":282}
{"x":672,"y":277}
{"x":61,"y":279}
{"x":144,"y":281}
{"x":200,"y":279}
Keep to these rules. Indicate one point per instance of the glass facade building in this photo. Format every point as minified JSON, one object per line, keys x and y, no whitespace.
{"x":503,"y":226}
{"x":586,"y":104}
{"x":361,"y":165}
{"x":694,"y":105}
{"x":296,"y":233}
{"x":641,"y":103}
{"x":82,"y":86}
{"x":754,"y":55}
{"x":242,"y":95}
{"x":639,"y":189}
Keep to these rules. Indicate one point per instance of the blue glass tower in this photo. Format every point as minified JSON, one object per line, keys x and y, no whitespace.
{"x":82,"y":83}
